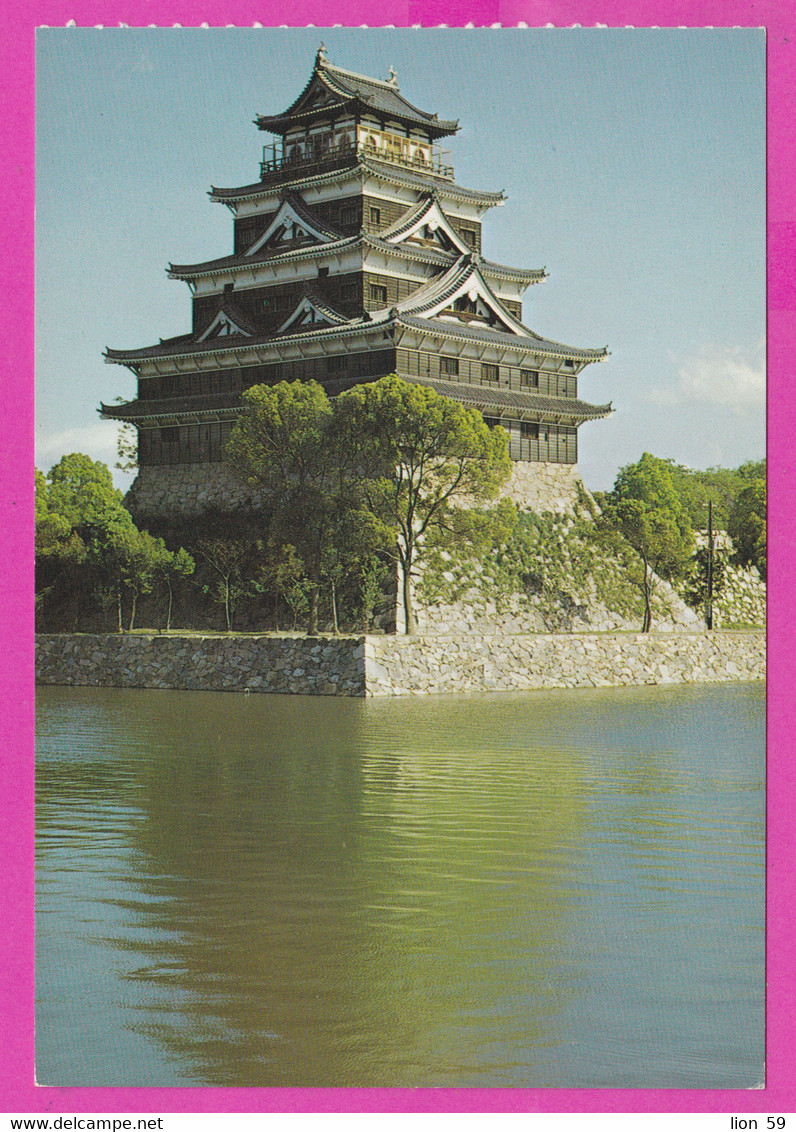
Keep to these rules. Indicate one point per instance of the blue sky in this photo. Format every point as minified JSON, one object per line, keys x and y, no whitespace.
{"x":633,"y":161}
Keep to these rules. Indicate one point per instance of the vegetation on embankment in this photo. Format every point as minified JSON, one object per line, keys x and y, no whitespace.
{"x":383,"y":481}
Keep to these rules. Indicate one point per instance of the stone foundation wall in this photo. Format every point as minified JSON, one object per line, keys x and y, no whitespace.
{"x":477,"y":615}
{"x":411,"y":666}
{"x":397,"y":666}
{"x":188,"y":489}
{"x":185,"y":490}
{"x":545,"y":487}
{"x":312,"y":666}
{"x":743,"y":599}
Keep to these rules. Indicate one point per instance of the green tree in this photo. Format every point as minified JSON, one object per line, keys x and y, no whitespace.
{"x":126,"y":447}
{"x":747,"y":526}
{"x":696,"y":578}
{"x":286,"y":447}
{"x":60,"y":556}
{"x":372,"y":581}
{"x":645,"y":508}
{"x":425,"y":461}
{"x":87,"y":545}
{"x":170,"y":566}
{"x":119,"y":558}
{"x":76,"y":506}
{"x":81,"y":490}
{"x":226,"y":556}
{"x":719,"y":486}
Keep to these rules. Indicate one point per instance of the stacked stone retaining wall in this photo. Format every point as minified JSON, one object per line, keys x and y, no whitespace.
{"x":312,"y":666}
{"x":396,"y":666}
{"x":406,"y":665}
{"x":160,"y":492}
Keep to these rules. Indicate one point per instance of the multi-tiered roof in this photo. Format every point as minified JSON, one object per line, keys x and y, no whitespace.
{"x":356,"y":254}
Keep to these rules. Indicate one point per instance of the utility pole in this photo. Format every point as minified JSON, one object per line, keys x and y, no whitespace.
{"x":709,"y":602}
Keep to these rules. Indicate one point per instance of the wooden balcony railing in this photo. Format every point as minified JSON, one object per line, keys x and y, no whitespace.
{"x":278,"y":166}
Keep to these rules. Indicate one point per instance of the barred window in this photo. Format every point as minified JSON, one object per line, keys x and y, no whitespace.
{"x":378,"y":293}
{"x":490,"y":373}
{"x":375,"y":216}
{"x":529,"y":378}
{"x":449,"y":365}
{"x":337,"y":364}
{"x":170,"y":435}
{"x":491,"y":422}
{"x":468,"y":235}
{"x":529,"y":430}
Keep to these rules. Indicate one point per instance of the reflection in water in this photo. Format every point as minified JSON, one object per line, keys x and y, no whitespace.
{"x":556,"y":888}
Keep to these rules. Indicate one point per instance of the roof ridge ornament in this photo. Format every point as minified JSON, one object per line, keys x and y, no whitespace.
{"x":392,"y":78}
{"x":322,"y":56}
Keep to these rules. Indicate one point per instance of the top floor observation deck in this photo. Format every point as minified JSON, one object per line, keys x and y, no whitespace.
{"x":326,"y":150}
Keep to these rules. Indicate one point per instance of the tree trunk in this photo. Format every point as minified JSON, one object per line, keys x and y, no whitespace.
{"x":334,"y":611}
{"x":313,"y":626}
{"x":168,"y":612}
{"x":119,"y":609}
{"x":132,"y":611}
{"x":410,"y":625}
{"x":227,"y":606}
{"x":646,"y":624}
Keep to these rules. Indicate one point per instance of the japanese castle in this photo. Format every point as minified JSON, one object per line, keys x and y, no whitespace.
{"x":356,"y":254}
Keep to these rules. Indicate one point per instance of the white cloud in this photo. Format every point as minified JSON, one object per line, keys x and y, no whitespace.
{"x":97,"y":441}
{"x":727,"y":377}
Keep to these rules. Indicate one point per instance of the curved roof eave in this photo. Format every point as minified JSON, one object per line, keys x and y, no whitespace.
{"x":228,"y":345}
{"x":244,"y":262}
{"x":531,"y":345}
{"x":347,"y":87}
{"x":529,"y":404}
{"x":393,"y":174}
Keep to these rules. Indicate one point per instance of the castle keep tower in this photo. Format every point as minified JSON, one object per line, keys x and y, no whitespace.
{"x":356,"y":255}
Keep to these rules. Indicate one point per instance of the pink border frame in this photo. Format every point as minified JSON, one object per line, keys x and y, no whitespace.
{"x":19,"y":1093}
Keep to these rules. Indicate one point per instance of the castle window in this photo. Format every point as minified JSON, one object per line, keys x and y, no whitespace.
{"x":569,"y":364}
{"x":229,"y":286}
{"x":529,"y":430}
{"x":350,"y":293}
{"x":465,"y":303}
{"x":378,"y":293}
{"x":375,"y":216}
{"x":323,"y":272}
{"x":468,"y":235}
{"x":491,"y":422}
{"x":349,"y":216}
{"x":449,"y":365}
{"x":337,"y":364}
{"x":490,"y":373}
{"x":170,"y":435}
{"x":529,"y":378}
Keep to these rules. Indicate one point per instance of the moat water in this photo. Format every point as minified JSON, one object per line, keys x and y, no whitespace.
{"x":542,"y":889}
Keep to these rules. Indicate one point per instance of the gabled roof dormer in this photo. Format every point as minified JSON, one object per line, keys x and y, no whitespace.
{"x":226,"y":324}
{"x":312,"y":311}
{"x":462,"y":295}
{"x":427,"y":225}
{"x":293,"y":223}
